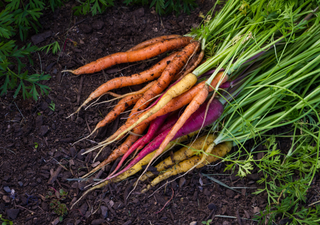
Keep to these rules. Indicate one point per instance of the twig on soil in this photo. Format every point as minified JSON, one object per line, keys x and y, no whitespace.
{"x":314,"y":203}
{"x":54,"y":175}
{"x":19,"y":206}
{"x":220,"y":183}
{"x":167,"y":201}
{"x":20,"y":111}
{"x":40,"y":62}
{"x":232,"y":217}
{"x":238,"y":217}
{"x":87,"y":124}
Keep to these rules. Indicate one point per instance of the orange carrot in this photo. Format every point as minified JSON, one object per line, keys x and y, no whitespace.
{"x":153,"y":41}
{"x":192,"y":66}
{"x":139,"y":78}
{"x":132,"y":56}
{"x":122,"y":105}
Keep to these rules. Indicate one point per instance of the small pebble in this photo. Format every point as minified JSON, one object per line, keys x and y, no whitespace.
{"x":12,"y":213}
{"x":230,"y":193}
{"x":182,"y":181}
{"x":212,"y":206}
{"x":7,"y":189}
{"x":97,"y":222}
{"x":256,"y":210}
{"x":20,"y":183}
{"x":6,"y":198}
{"x":56,"y":221}
{"x":104,"y":211}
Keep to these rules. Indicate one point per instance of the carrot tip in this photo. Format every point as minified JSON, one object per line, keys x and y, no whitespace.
{"x":70,"y":71}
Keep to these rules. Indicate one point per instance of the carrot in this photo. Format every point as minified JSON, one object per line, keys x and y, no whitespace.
{"x":193,"y":64}
{"x":191,"y":108}
{"x":132,"y":56}
{"x":139,"y":78}
{"x":153,"y":41}
{"x":143,"y":140}
{"x":219,"y":150}
{"x":122,"y":105}
{"x":182,"y":154}
{"x":136,"y":168}
{"x":194,"y":123}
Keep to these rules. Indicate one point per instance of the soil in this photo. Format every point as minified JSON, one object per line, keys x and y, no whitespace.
{"x":37,"y":155}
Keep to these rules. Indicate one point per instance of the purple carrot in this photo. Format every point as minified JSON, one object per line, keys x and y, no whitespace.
{"x":169,"y":123}
{"x":154,"y":127}
{"x":194,"y":123}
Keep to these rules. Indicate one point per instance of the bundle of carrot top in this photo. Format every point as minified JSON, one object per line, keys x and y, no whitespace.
{"x":261,"y":64}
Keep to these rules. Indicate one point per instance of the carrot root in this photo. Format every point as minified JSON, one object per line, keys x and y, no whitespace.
{"x":153,"y":41}
{"x":132,"y":56}
{"x":182,"y":154}
{"x":216,"y":152}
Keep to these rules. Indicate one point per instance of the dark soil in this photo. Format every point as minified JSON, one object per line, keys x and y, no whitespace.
{"x":36,"y":151}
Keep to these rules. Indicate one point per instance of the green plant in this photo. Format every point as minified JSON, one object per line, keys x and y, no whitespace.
{"x":93,"y":6}
{"x":207,"y":222}
{"x":55,"y":203}
{"x":36,"y":145}
{"x":161,"y":6}
{"x":17,"y":17}
{"x":54,"y":47}
{"x":52,"y":106}
{"x":287,"y":177}
{"x":5,"y":221}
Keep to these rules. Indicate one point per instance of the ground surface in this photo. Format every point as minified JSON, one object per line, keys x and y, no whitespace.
{"x":36,"y":155}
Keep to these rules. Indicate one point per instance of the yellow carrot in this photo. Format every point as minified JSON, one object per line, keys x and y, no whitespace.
{"x":195,"y":161}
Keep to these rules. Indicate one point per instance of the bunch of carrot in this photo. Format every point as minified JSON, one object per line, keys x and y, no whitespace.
{"x":174,"y":82}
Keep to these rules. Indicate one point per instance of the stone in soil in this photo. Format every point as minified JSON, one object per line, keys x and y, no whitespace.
{"x":97,"y":222}
{"x":226,"y":223}
{"x":85,"y":28}
{"x":98,"y":25}
{"x":230,"y":193}
{"x":212,"y":206}
{"x":38,"y":38}
{"x":104,"y":211}
{"x":13,"y":213}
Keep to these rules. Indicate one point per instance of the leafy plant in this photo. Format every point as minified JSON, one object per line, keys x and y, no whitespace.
{"x":207,"y":222}
{"x":5,"y":221}
{"x":93,"y":6}
{"x":285,"y":192}
{"x":52,"y":106}
{"x":54,"y":47}
{"x":55,"y":203}
{"x":161,"y":6}
{"x":19,"y":17}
